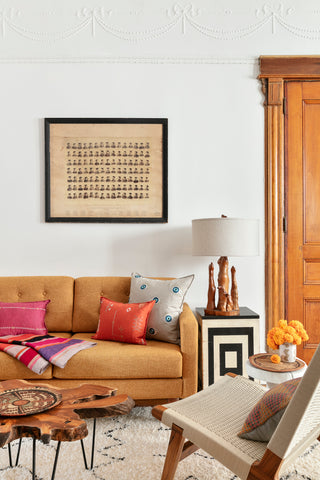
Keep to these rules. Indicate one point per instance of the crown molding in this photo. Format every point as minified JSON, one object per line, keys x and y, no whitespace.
{"x":161,"y":31}
{"x":181,"y":18}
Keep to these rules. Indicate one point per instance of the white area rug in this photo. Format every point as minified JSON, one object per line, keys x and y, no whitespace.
{"x":132,"y":447}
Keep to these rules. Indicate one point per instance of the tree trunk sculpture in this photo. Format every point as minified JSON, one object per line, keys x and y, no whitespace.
{"x":223,"y":277}
{"x":234,"y":289}
{"x":211,"y":305}
{"x":229,"y":303}
{"x":223,"y":283}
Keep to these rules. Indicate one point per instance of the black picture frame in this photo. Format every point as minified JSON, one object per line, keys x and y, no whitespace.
{"x":143,"y":203}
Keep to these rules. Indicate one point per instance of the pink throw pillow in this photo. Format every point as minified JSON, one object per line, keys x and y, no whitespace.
{"x":23,"y":317}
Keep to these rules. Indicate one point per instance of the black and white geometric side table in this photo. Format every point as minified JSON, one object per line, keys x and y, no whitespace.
{"x":225,"y":344}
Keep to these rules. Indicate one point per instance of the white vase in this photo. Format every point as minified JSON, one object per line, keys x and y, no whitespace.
{"x":288,"y":352}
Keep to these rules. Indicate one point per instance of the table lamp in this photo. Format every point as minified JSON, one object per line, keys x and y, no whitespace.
{"x":223,"y":237}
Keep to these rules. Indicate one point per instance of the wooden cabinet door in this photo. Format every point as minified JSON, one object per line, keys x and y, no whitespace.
{"x":302,"y":187}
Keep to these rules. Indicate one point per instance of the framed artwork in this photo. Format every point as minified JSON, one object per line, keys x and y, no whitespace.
{"x":106,"y":170}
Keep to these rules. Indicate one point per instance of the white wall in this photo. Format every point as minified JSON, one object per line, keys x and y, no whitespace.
{"x":195,"y":64}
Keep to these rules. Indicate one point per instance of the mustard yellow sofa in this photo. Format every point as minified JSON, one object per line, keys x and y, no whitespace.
{"x":156,"y":371}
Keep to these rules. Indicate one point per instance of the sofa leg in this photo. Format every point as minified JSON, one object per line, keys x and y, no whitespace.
{"x":174,"y":451}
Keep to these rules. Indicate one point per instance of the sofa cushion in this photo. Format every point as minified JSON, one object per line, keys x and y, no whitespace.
{"x":163,"y":323}
{"x":87,"y":293}
{"x":11,"y":368}
{"x":121,"y":322}
{"x":29,"y":289}
{"x":123,"y":360}
{"x":17,"y":318}
{"x":60,"y":334}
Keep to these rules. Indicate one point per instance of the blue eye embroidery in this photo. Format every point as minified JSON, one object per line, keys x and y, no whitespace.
{"x":168,"y":318}
{"x":137,"y":276}
{"x":175,"y":289}
{"x":143,"y":286}
{"x":156,"y":299}
{"x":151,"y":331}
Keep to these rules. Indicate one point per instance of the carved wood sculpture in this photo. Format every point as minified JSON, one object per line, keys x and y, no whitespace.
{"x":223,"y":276}
{"x":222,"y":303}
{"x":229,"y":307}
{"x":64,"y":422}
{"x":234,"y":289}
{"x":227,"y":303}
{"x":211,"y":305}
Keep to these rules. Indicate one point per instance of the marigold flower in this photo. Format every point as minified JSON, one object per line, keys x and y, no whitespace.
{"x":288,"y":338}
{"x":275,"y":359}
{"x":299,"y":328}
{"x":296,"y":324}
{"x":291,"y":330}
{"x":297,"y":341}
{"x":271,"y":343}
{"x":279,"y":337}
{"x":282,"y":323}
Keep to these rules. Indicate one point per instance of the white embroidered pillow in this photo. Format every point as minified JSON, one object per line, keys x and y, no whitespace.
{"x":163,"y":323}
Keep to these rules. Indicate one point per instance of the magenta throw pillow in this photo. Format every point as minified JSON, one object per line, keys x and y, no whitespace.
{"x":23,"y":317}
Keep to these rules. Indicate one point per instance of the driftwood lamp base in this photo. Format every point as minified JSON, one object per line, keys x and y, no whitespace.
{"x":228,"y":305}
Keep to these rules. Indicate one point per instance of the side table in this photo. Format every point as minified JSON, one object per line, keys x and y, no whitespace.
{"x":260,"y":367}
{"x":225,"y":343}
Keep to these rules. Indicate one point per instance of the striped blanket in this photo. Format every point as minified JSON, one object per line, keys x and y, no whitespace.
{"x":37,"y":352}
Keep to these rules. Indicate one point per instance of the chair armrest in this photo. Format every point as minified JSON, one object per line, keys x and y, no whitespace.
{"x":189,"y":349}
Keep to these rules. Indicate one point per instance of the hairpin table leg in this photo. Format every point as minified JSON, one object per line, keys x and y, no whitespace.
{"x":55,"y":461}
{"x":9,"y":453}
{"x":18,"y":453}
{"x":33,"y":459}
{"x":84,"y":455}
{"x":93,"y":442}
{"x":92,"y":447}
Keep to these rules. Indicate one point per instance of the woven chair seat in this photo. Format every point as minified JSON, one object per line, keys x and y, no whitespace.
{"x":212,"y":418}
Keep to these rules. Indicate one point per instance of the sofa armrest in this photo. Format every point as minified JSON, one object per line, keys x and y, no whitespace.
{"x":189,"y":349}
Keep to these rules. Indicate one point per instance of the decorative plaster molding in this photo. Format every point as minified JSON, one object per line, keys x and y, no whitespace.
{"x":184,"y":15}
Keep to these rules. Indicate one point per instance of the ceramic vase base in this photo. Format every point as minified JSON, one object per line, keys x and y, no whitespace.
{"x":287,"y":352}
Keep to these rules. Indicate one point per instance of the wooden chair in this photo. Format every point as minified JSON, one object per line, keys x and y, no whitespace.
{"x":211,"y":419}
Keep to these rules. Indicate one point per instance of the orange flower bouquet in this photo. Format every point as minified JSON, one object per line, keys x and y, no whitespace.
{"x":292,"y":332}
{"x":287,"y":335}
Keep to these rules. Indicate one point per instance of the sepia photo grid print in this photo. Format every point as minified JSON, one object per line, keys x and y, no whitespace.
{"x":106,"y":170}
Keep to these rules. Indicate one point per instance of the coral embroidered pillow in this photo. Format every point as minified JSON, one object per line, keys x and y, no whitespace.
{"x":123,"y":322}
{"x":266,"y":414}
{"x":23,"y":317}
{"x":163,"y":323}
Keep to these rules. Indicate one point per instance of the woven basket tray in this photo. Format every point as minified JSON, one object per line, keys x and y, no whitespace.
{"x":27,"y":401}
{"x":262,"y":361}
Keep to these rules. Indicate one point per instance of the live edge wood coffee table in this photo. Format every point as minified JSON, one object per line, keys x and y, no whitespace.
{"x":46,"y":413}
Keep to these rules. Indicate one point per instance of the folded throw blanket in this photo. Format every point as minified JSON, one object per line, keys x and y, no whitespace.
{"x":37,"y":352}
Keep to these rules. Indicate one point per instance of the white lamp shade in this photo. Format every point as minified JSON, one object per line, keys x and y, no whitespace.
{"x":230,"y":237}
